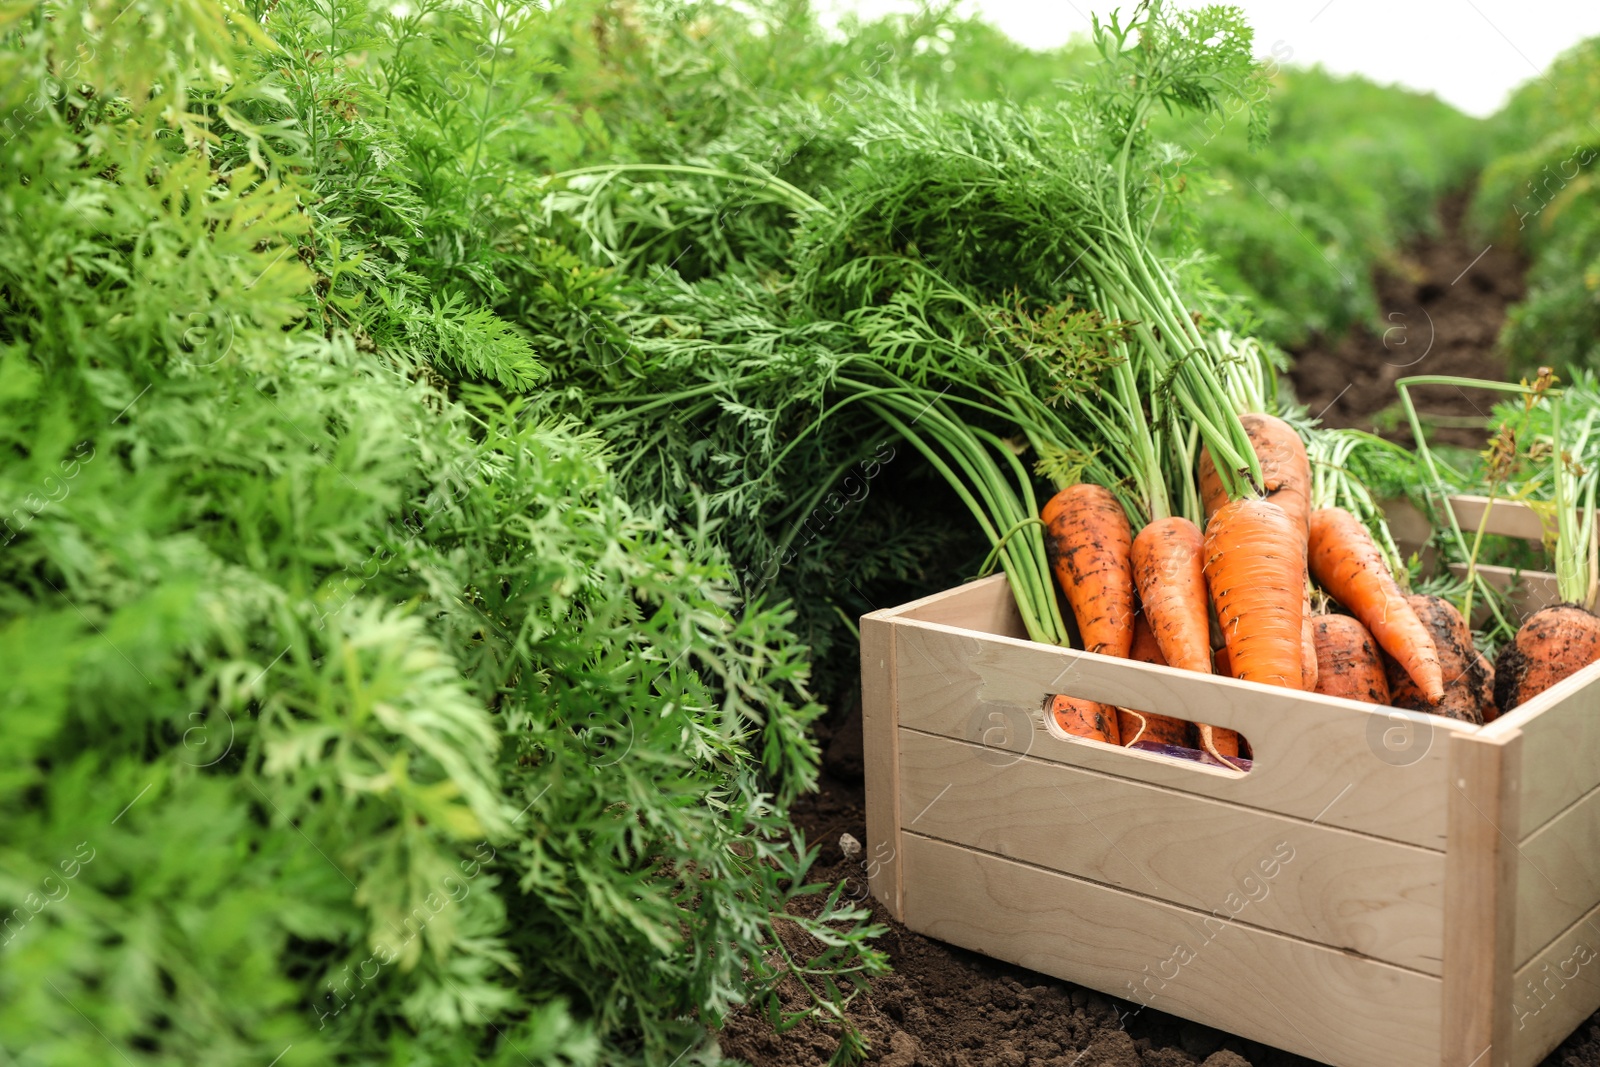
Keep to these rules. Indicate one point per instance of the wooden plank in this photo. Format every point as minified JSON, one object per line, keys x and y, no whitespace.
{"x":986,"y":606}
{"x":1351,"y":891}
{"x":1553,"y":993}
{"x":1306,"y":998}
{"x":1480,"y":900}
{"x":1561,"y":743}
{"x":1530,"y":590}
{"x":1508,"y":518}
{"x":1558,"y":876}
{"x":1351,"y":765}
{"x":881,"y":759}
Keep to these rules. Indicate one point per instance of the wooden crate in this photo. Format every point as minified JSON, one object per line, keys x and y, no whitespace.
{"x":1530,"y":589}
{"x":1380,"y":889}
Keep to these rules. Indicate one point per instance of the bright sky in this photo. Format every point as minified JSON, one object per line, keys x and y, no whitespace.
{"x":1472,"y":53}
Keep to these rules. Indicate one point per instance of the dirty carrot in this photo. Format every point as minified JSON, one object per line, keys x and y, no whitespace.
{"x":1089,"y":542}
{"x":1255,"y":569}
{"x":1309,"y":665}
{"x":1285,"y":470}
{"x":1087,"y":718}
{"x":1345,"y":562}
{"x":1348,"y":662}
{"x":1554,"y":643}
{"x":1169,"y":572}
{"x":1468,"y":688}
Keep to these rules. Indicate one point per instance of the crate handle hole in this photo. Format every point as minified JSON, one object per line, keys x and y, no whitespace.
{"x":1082,"y":721}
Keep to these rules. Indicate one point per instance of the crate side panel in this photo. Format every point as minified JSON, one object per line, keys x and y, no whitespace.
{"x":986,"y":606}
{"x":881,"y":759}
{"x":1354,"y":892}
{"x":1561,"y":745}
{"x":1350,"y":766}
{"x":1291,"y":994}
{"x":1553,"y":993}
{"x":1558,"y":876}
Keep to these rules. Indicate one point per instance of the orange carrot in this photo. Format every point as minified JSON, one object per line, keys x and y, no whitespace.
{"x":1309,"y":666}
{"x":1148,"y":726}
{"x":1468,"y":688}
{"x":1345,"y":561}
{"x":1348,"y":662}
{"x":1553,"y":644}
{"x":1227,"y":742}
{"x":1256,"y":571}
{"x":1089,"y":542}
{"x":1169,"y":571}
{"x":1285,"y":470}
{"x":1086,"y":718}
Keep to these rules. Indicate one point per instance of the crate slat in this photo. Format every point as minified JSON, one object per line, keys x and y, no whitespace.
{"x":1350,"y":891}
{"x":881,"y":758}
{"x":985,"y":605}
{"x":1480,"y":899}
{"x":1554,"y":992}
{"x":1295,"y":995}
{"x":1320,"y":756}
{"x":1563,"y":753}
{"x":1558,"y":875}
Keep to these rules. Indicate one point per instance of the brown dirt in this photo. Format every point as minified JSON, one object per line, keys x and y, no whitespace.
{"x":945,"y":1007}
{"x":1440,"y":310}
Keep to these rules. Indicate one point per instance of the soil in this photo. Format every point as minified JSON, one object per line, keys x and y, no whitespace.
{"x":943,"y":1006}
{"x":1441,"y":305}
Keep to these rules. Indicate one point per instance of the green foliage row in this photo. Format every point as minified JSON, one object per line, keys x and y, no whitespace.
{"x":351,"y":714}
{"x":1540,"y":193}
{"x":1354,"y":169}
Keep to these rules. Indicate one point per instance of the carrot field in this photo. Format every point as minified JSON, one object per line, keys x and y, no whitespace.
{"x":449,"y":447}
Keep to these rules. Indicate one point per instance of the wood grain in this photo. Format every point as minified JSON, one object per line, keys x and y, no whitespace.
{"x":1316,"y":756}
{"x":985,"y":605}
{"x":881,"y":759}
{"x":1315,"y":1001}
{"x":1558,"y":875}
{"x":1351,"y":891}
{"x":1561,"y":743}
{"x":1480,"y":900}
{"x":1553,"y":993}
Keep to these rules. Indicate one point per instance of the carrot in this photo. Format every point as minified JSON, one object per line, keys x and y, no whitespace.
{"x":1468,"y":689}
{"x":1148,"y":726}
{"x":1089,"y":542}
{"x":1348,"y":662}
{"x":1345,"y":561}
{"x":1310,"y":666}
{"x":1255,"y":568}
{"x":1554,"y":643}
{"x":1169,"y":571}
{"x":1086,"y":718}
{"x":1491,"y":708}
{"x":1285,"y":470}
{"x":1227,"y":742}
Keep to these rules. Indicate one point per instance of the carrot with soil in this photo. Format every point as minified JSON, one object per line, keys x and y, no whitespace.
{"x":1349,"y":664}
{"x":1168,"y":568}
{"x":1087,"y":718}
{"x":1255,"y":567}
{"x":1090,"y":544}
{"x":1346,"y":562}
{"x":1468,"y":679}
{"x":1555,"y":643}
